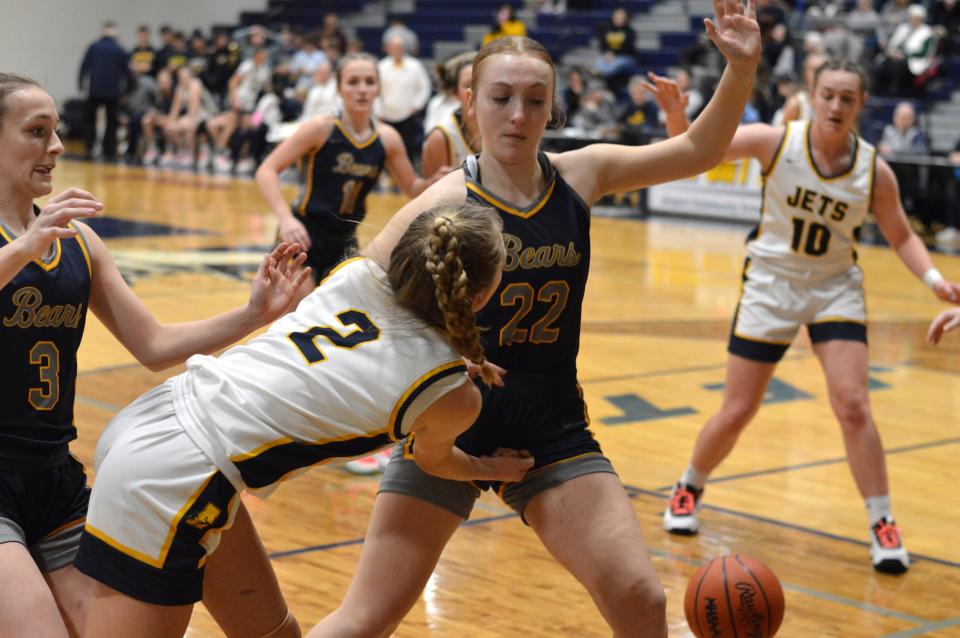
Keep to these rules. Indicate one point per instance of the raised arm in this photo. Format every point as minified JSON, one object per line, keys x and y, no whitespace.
{"x":893,"y":223}
{"x":398,"y":163}
{"x":600,"y":169}
{"x":310,"y":135}
{"x":159,"y":346}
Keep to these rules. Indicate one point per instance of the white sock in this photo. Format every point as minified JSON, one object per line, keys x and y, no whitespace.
{"x":693,"y":478}
{"x":878,"y":507}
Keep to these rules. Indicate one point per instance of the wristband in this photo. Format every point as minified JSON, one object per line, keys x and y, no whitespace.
{"x":931,"y":277}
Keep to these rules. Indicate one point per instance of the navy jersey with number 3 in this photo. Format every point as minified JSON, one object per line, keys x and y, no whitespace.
{"x":42,"y":316}
{"x":533,"y":320}
{"x":339,"y":175}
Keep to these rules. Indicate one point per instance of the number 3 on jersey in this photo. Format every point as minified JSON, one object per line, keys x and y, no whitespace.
{"x":522,"y":294}
{"x":306,"y":342}
{"x":45,"y":355}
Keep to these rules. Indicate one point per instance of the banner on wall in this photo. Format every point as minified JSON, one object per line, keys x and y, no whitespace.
{"x":729,"y":191}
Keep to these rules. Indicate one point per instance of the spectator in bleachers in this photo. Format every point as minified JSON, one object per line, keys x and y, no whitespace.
{"x":305,"y":62}
{"x":770,"y":13}
{"x":573,"y":91}
{"x":143,"y":53}
{"x":222,"y":62}
{"x":250,"y":143}
{"x":322,"y":98}
{"x":330,"y":48}
{"x":191,"y":105}
{"x":166,"y":48}
{"x":505,"y":24}
{"x":155,"y":119}
{"x":397,"y":29}
{"x":798,"y":106}
{"x":246,"y":84}
{"x":638,"y":119}
{"x":947,"y":14}
{"x":703,"y":58}
{"x":777,"y":53}
{"x":254,"y":38}
{"x":141,"y":99}
{"x":103,"y":76}
{"x":785,"y":88}
{"x":617,"y":51}
{"x":179,"y":52}
{"x":404,"y":90}
{"x":334,"y":36}
{"x":949,"y":237}
{"x":865,"y":24}
{"x":597,"y":115}
{"x":894,"y":14}
{"x":908,"y":54}
{"x":903,"y":135}
{"x":199,"y":55}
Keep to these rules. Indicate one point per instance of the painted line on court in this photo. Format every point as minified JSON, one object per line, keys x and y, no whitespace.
{"x":923,"y":623}
{"x":633,"y":491}
{"x":840,"y":459}
{"x":925,"y":628}
{"x":359,"y":541}
{"x":97,"y":403}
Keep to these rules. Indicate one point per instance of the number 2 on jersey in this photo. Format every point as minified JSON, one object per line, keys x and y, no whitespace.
{"x":522,"y":293}
{"x":306,"y":342}
{"x":45,"y":355}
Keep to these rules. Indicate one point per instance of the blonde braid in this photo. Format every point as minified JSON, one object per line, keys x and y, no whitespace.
{"x":450,"y":280}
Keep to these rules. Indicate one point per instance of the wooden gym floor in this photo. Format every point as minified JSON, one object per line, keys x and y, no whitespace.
{"x":659,"y":303}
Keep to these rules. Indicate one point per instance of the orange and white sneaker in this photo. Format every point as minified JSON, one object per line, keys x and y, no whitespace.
{"x":886,"y":548}
{"x":369,"y":465}
{"x":680,"y":517}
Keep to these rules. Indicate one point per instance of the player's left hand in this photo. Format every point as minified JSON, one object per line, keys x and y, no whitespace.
{"x":494,"y":373}
{"x":946,"y":321}
{"x":274,"y":288}
{"x":666,"y":92}
{"x":947,"y":291}
{"x":735,"y":32}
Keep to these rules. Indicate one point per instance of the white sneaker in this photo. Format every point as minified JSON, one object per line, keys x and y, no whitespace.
{"x":168,"y":159}
{"x":680,"y":517}
{"x":203,"y":157}
{"x":185,"y":160}
{"x":150,"y":156}
{"x":369,"y":465}
{"x":222,"y":164}
{"x":949,"y":236}
{"x":245,"y":166}
{"x":886,"y":548}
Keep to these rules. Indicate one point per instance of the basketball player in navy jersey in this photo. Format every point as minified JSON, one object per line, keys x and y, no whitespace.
{"x":52,"y":268}
{"x":572,"y":498}
{"x":343,"y":157}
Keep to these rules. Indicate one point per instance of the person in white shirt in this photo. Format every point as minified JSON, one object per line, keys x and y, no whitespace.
{"x":248,"y":81}
{"x":405,"y":88}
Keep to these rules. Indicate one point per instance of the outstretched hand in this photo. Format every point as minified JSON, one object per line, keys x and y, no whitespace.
{"x":946,"y":321}
{"x":947,"y":291}
{"x":494,"y":372}
{"x":735,"y":32}
{"x":507,"y":464}
{"x":666,"y":92}
{"x":274,"y":288}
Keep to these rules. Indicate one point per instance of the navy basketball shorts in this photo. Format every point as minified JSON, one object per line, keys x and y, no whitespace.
{"x":536,"y":413}
{"x":44,"y":511}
